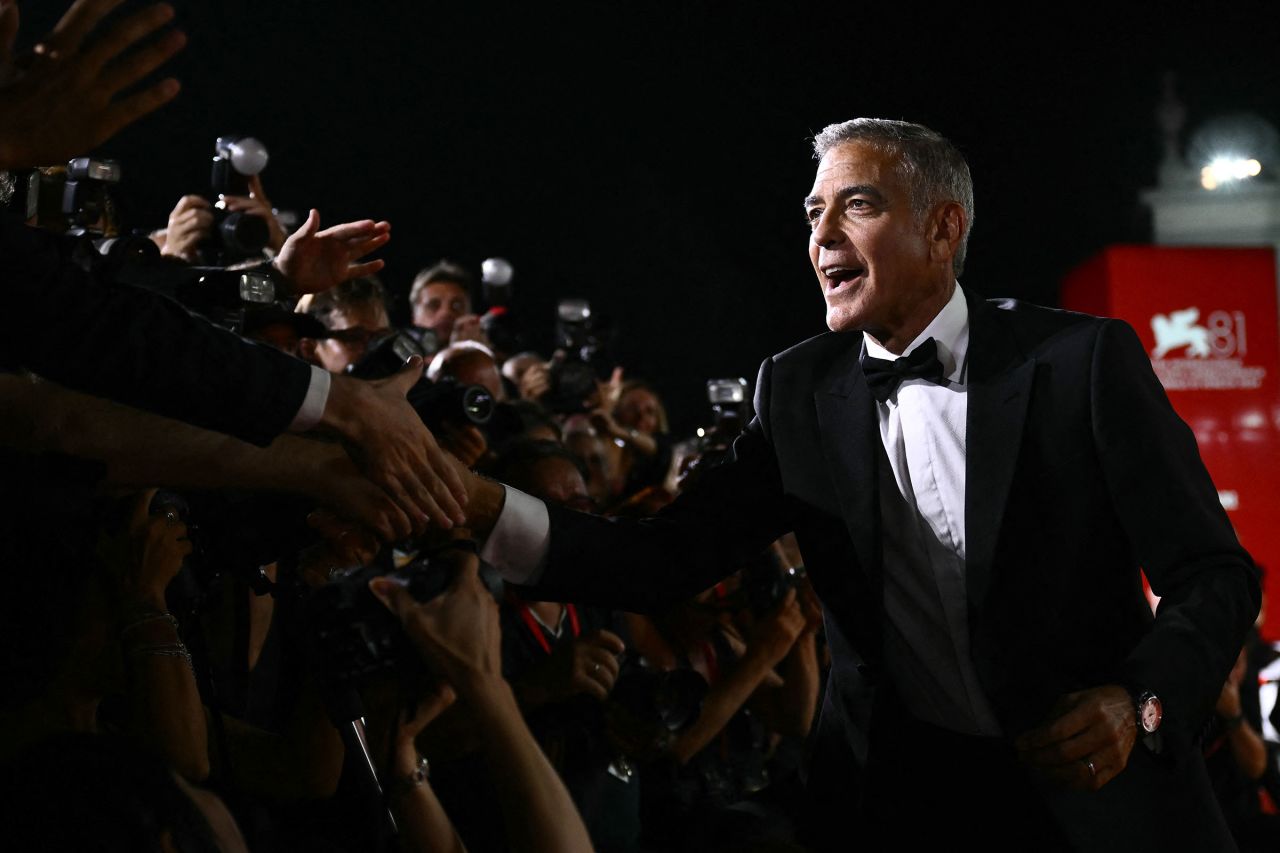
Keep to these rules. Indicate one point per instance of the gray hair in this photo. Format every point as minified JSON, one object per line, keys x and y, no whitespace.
{"x":935,"y":169}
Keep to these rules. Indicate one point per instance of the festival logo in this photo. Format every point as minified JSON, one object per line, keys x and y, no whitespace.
{"x":1190,"y":356}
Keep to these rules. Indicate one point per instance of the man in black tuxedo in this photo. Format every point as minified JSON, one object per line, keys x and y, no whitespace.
{"x":974,"y":486}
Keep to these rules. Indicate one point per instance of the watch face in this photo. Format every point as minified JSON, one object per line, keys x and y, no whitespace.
{"x":1151,"y":712}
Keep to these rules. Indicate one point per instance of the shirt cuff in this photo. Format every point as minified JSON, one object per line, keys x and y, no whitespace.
{"x":517,"y":546}
{"x":312,"y":408}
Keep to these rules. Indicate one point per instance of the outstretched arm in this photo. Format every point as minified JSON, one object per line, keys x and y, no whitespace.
{"x":458,"y":634}
{"x":141,"y":449}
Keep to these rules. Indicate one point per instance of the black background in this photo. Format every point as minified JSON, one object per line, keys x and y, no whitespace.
{"x":651,"y":157}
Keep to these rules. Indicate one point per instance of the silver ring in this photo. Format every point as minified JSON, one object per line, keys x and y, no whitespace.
{"x":1093,"y":771}
{"x":171,"y":516}
{"x":596,"y":668}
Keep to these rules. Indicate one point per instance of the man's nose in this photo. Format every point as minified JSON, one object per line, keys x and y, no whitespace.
{"x":826,"y":233}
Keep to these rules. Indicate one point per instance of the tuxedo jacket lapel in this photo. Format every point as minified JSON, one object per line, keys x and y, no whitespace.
{"x":850,"y":436}
{"x":999,"y":387}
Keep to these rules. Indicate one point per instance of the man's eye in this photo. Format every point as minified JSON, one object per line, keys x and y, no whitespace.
{"x":858,"y":204}
{"x":812,"y":215}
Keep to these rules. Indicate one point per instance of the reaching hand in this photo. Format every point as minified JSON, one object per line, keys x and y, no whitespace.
{"x":457,"y":632}
{"x":331,"y":478}
{"x":313,"y":260}
{"x":467,"y":443}
{"x":587,"y":665}
{"x":189,"y":225}
{"x":394,"y":450}
{"x":1086,"y":741}
{"x":345,"y":544}
{"x":63,"y":103}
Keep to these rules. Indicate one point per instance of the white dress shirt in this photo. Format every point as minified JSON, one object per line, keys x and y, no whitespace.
{"x":312,"y":408}
{"x":922,"y":495}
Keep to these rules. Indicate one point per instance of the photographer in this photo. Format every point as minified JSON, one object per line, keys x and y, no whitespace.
{"x":85,"y":619}
{"x":562,"y":661}
{"x":441,"y":301}
{"x":458,"y":635}
{"x":763,"y":685}
{"x":636,"y":420}
{"x":191,"y":223}
{"x":355,"y":313}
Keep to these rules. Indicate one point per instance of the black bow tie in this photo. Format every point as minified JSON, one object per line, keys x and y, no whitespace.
{"x":884,"y":377}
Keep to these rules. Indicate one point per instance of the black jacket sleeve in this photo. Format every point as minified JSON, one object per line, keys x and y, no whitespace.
{"x":137,"y":347}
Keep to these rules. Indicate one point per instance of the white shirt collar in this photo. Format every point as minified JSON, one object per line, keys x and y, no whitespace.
{"x":950,"y":330}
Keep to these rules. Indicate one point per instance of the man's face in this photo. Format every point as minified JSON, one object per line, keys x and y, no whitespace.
{"x":352,"y":329}
{"x":867,"y":247}
{"x":439,"y":305}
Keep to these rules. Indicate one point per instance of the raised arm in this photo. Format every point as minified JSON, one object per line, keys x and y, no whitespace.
{"x":458,"y":634}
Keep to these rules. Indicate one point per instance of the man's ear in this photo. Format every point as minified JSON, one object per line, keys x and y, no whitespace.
{"x":947,"y":227}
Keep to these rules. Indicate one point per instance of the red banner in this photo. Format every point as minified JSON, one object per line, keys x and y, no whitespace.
{"x":1208,"y":318}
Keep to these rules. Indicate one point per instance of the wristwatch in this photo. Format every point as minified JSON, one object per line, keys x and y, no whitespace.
{"x":1150,"y":712}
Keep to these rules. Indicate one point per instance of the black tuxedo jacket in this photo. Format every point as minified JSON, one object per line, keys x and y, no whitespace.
{"x":1078,"y":473}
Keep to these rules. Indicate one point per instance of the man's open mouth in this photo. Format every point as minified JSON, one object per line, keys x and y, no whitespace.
{"x":836,"y":277}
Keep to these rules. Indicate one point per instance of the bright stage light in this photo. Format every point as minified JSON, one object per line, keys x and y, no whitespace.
{"x":1224,"y":170}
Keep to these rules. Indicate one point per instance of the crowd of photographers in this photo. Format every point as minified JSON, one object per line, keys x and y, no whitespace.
{"x":242,"y":611}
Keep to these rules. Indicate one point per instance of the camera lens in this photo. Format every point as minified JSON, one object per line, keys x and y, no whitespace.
{"x":477,"y":405}
{"x":243,"y":233}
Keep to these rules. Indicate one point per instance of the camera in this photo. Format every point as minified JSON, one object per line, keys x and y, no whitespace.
{"x":729,"y":409}
{"x":437,"y":403}
{"x":765,"y":582}
{"x":662,"y":703}
{"x":357,"y":636}
{"x":87,"y":209}
{"x":236,"y":235}
{"x":581,"y":338}
{"x":86,"y":195}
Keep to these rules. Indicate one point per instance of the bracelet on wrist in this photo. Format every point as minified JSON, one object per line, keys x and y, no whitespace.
{"x":148,"y":617}
{"x":401,"y":785}
{"x":1229,"y":723}
{"x":176,"y":650}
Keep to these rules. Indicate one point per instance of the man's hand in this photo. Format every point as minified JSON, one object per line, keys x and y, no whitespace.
{"x":345,"y":544}
{"x":1086,"y":741}
{"x":63,"y":103}
{"x":777,"y":631}
{"x":467,"y":328}
{"x":312,"y":260}
{"x":189,"y":224}
{"x":457,"y":632}
{"x":535,"y":382}
{"x":395,"y":450}
{"x":467,"y":443}
{"x":159,"y":545}
{"x":587,"y":665}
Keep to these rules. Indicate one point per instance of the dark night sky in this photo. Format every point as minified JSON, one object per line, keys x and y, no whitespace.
{"x":651,"y":157}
